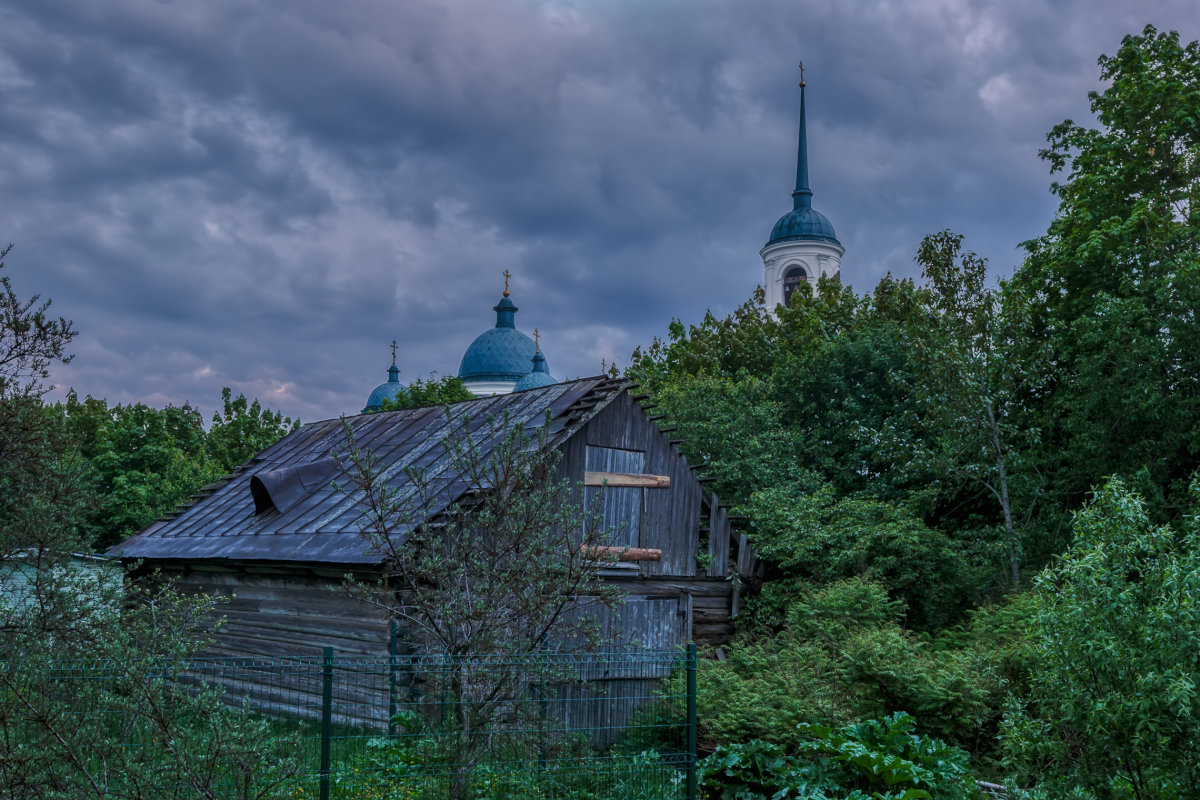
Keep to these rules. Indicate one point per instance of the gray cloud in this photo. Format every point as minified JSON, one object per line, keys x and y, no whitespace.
{"x":265,"y":194}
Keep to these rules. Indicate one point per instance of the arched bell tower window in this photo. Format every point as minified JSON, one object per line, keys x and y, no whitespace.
{"x":793,"y":277}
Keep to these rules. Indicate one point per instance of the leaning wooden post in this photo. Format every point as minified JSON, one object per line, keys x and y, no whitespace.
{"x":326,"y":719}
{"x":393,"y":648}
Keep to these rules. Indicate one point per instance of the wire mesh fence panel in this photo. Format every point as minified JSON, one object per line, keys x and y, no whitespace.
{"x":611,"y":725}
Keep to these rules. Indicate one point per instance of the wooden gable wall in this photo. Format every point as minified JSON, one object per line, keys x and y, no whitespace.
{"x":665,"y":519}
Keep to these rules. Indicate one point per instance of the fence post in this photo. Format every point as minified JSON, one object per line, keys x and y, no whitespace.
{"x":691,"y":720}
{"x":326,"y":719}
{"x":393,"y":647}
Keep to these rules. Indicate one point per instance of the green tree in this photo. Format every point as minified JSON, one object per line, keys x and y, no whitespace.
{"x":967,"y":377}
{"x":1116,"y":660}
{"x":1115,"y":281}
{"x":242,"y":429}
{"x":812,"y":533}
{"x":509,"y":569}
{"x":762,"y":400}
{"x":145,"y":461}
{"x":92,"y":704}
{"x":843,"y":380}
{"x":45,"y":498}
{"x":30,"y":340}
{"x":146,"y":736}
{"x":433,"y":392}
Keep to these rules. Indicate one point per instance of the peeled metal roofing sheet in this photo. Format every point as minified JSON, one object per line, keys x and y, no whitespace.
{"x":321,"y":526}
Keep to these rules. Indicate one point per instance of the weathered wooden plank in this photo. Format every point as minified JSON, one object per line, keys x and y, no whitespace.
{"x":709,"y":613}
{"x":718,"y":539}
{"x":701,"y":601}
{"x":622,"y":553}
{"x":745,"y":558}
{"x":262,"y":626}
{"x":626,"y":480}
{"x":674,"y":586}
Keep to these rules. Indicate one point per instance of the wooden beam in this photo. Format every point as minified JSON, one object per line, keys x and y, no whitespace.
{"x":622,"y":553}
{"x":623,"y":480}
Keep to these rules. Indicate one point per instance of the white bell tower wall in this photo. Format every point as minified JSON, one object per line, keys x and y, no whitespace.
{"x":787,"y":262}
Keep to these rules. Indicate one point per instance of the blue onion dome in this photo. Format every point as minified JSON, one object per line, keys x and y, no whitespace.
{"x":502,"y":353}
{"x":538,"y":378}
{"x":384,"y":391}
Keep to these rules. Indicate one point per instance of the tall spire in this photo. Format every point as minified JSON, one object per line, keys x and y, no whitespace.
{"x":802,"y":197}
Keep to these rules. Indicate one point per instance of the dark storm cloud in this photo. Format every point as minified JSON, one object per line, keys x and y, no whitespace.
{"x":265,"y":194}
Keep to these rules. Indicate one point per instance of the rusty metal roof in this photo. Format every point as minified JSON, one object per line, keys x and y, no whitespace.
{"x":321,"y":524}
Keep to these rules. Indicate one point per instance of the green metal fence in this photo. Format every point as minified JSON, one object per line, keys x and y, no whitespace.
{"x":617,"y":725}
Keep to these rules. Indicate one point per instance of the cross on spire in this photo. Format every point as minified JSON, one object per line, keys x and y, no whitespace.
{"x":393,"y":351}
{"x":801,"y":74}
{"x":537,"y":341}
{"x":507,"y":275}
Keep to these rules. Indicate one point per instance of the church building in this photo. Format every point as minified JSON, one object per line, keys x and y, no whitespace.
{"x":503,"y":359}
{"x":500,"y":360}
{"x":803,"y":245}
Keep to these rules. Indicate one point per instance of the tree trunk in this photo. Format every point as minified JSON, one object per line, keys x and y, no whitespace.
{"x":1014,"y":544}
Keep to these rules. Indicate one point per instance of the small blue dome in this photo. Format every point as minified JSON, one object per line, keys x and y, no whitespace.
{"x":803,"y":223}
{"x":384,"y":391}
{"x":538,"y":378}
{"x":503,"y":353}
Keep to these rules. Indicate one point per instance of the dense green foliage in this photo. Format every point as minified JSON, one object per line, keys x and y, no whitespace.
{"x":433,"y":392}
{"x":906,"y":456}
{"x":45,"y":501}
{"x":872,"y":760}
{"x":843,"y":655}
{"x":113,"y":723}
{"x":1114,"y":284}
{"x":148,"y":737}
{"x":1115,"y":660}
{"x":144,"y":462}
{"x":420,"y":763}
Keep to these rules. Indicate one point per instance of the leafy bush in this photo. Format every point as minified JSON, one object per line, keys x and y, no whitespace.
{"x":433,"y":392}
{"x":842,"y":656}
{"x":817,"y":535}
{"x":872,"y":760}
{"x":420,"y":764}
{"x":1115,"y":661}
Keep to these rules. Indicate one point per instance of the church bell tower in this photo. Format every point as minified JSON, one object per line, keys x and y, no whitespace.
{"x":803,"y":245}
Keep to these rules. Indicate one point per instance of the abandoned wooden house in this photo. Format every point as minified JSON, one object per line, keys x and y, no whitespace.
{"x":276,"y":537}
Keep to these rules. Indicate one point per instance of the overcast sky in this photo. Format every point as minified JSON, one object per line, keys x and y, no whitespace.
{"x":262,"y":194}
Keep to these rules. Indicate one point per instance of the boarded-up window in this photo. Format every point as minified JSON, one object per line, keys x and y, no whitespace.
{"x":622,"y":507}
